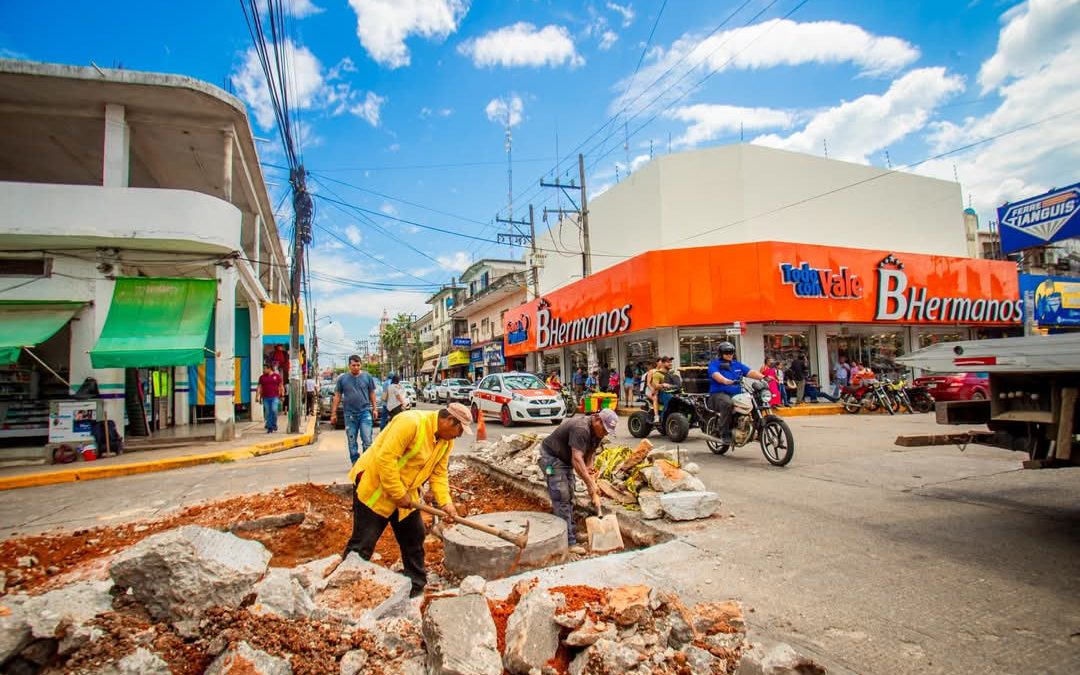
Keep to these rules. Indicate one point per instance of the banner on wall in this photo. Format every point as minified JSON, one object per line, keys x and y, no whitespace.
{"x":1052,"y":301}
{"x":72,"y":421}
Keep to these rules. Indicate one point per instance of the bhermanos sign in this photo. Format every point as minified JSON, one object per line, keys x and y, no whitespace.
{"x":552,"y":331}
{"x":896,"y":301}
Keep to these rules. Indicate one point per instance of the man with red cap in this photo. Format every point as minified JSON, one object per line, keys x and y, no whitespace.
{"x":413,"y":449}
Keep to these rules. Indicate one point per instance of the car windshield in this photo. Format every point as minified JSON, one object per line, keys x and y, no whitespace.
{"x":457,"y":383}
{"x":408,"y":385}
{"x":523,"y":382}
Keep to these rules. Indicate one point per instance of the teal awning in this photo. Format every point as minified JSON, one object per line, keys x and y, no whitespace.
{"x":156,"y":322}
{"x":26,"y":323}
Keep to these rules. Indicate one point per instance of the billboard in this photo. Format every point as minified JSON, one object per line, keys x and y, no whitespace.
{"x":1036,"y":221}
{"x":1053,"y":301}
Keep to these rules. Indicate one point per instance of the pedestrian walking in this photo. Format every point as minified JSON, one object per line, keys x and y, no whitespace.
{"x":395,"y":398}
{"x":387,"y":483}
{"x":781,"y":378}
{"x":628,"y":383}
{"x":841,"y":375}
{"x":571,"y":449}
{"x":309,"y":395}
{"x":269,"y":393}
{"x":578,"y":380}
{"x":357,"y":389}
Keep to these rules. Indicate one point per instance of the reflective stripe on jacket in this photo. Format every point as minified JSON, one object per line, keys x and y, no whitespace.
{"x":404,"y":455}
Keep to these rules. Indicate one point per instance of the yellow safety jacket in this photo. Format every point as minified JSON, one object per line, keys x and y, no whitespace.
{"x":404,"y":455}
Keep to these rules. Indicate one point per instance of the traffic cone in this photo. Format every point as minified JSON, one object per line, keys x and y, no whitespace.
{"x":481,"y":428}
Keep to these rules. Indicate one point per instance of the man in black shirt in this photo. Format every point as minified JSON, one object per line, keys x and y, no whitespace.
{"x":571,"y":449}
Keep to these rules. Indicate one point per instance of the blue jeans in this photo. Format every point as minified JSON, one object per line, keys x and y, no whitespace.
{"x":358,"y":423}
{"x":270,"y":411}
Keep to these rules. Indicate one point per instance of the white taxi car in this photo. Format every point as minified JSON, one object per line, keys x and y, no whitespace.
{"x":516,"y":397}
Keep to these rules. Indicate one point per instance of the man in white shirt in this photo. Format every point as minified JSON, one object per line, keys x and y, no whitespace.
{"x":309,"y":395}
{"x":395,"y":398}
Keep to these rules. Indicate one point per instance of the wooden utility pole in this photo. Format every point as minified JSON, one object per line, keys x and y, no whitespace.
{"x":302,"y":210}
{"x":586,"y":251}
{"x":534,"y":270}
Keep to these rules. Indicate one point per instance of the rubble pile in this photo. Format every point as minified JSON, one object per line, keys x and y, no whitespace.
{"x":582,"y":630}
{"x":645,"y":478}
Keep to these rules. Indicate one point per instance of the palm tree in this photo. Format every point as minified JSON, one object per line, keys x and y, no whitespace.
{"x":397,"y":337}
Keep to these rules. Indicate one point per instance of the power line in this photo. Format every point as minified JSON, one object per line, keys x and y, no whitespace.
{"x":399,"y":199}
{"x":412,"y":167}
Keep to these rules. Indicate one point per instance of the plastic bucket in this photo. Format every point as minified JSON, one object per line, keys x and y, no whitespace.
{"x":89,"y":452}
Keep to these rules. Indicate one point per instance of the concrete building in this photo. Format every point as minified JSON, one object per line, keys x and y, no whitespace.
{"x":138,"y":237}
{"x":492,"y":288}
{"x":723,"y":244}
{"x":444,"y":328}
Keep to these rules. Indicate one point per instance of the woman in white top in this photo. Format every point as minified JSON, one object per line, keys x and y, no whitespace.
{"x":395,"y":397}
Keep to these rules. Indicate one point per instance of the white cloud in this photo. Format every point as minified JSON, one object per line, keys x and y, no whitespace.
{"x":309,"y":88}
{"x":522,"y":44}
{"x":1022,"y":45}
{"x":389,"y":209}
{"x":627,"y":12}
{"x":384,"y":25}
{"x":1032,"y":160}
{"x":856,"y":129}
{"x":352,"y":233}
{"x":777,"y":42}
{"x":370,"y":304}
{"x":710,"y":121}
{"x":497,"y":110}
{"x":608,"y":40}
{"x":369,"y":109}
{"x":300,"y":8}
{"x":458,"y":261}
{"x":426,"y":112}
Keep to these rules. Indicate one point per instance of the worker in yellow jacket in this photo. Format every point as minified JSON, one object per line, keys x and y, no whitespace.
{"x":413,"y":449}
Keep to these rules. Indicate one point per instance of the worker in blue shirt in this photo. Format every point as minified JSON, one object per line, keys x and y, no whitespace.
{"x":725,"y":374}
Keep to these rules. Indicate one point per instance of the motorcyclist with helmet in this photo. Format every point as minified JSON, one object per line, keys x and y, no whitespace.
{"x":724,"y":376}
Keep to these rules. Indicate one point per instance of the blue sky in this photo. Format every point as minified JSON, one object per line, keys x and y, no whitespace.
{"x":404,"y":102}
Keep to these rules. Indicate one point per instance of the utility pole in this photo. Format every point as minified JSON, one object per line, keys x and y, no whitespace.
{"x":302,"y":210}
{"x":582,"y":212}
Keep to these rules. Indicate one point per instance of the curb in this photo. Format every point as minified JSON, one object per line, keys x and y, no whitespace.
{"x":152,"y":466}
{"x":812,"y":409}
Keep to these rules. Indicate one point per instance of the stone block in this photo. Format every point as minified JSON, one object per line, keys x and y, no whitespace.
{"x":268,"y":522}
{"x":179,"y":574}
{"x":461,"y":638}
{"x":280,"y":594}
{"x":69,"y":609}
{"x":628,"y":605}
{"x":472,"y":584}
{"x":400,"y":636}
{"x":353,"y":662}
{"x":314,"y":573}
{"x":142,"y":661}
{"x":590,"y":632}
{"x":777,"y":659}
{"x":689,"y":505}
{"x":361,"y":592}
{"x":14,"y":629}
{"x":608,"y":656}
{"x":649,"y":502}
{"x":246,"y":660}
{"x":572,"y":620}
{"x":665,"y":477}
{"x":700,"y":661}
{"x":532,"y":636}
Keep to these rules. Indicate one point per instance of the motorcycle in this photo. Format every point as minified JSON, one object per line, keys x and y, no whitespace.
{"x":868,"y":395}
{"x":752,"y":418}
{"x":922,"y":401}
{"x":677,"y":416}
{"x":897,"y":392}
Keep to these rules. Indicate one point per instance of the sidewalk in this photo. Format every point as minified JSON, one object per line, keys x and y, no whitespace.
{"x":783,"y":411}
{"x":148,"y":461}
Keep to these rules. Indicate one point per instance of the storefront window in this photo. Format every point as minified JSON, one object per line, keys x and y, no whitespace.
{"x":784,"y":347}
{"x":878,"y":351}
{"x":698,"y":350}
{"x":641,"y":353}
{"x":927,"y":339}
{"x":553,"y":363}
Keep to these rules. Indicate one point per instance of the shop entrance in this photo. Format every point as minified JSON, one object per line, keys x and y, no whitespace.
{"x":876,"y":349}
{"x":786,"y":345}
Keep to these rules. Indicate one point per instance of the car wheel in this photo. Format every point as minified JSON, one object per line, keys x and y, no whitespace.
{"x":978,"y":396}
{"x":505,"y":417}
{"x":677,"y":427}
{"x":639,"y":425}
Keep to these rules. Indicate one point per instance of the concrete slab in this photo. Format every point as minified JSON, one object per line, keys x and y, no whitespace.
{"x":469,"y":551}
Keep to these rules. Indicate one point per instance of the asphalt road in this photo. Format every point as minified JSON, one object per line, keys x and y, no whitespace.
{"x":885,"y":559}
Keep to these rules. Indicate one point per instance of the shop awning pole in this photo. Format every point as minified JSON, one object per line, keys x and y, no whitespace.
{"x":46,"y":367}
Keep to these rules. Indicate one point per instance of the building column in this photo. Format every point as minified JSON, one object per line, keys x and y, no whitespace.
{"x":667,"y":342}
{"x":752,"y":347}
{"x":116,"y":166}
{"x":820,"y":335}
{"x":255,"y":313}
{"x":182,"y":400}
{"x":85,"y":330}
{"x":224,"y":349}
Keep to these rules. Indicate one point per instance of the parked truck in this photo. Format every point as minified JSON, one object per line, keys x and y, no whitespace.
{"x":1032,"y":405}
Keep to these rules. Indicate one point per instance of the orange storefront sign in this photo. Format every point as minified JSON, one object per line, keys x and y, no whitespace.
{"x":767,"y":282}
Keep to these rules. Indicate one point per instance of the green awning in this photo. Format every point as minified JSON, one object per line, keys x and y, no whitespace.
{"x":156,"y":322}
{"x":25,"y":323}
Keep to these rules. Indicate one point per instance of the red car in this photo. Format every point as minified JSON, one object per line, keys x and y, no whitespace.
{"x":958,"y":387}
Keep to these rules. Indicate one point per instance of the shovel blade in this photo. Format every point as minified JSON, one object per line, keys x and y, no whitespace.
{"x":604,"y":534}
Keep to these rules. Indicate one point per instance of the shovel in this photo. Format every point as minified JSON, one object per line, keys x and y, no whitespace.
{"x":603,"y":532}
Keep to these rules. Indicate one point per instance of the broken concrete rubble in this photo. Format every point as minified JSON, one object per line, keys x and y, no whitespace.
{"x":628,"y":605}
{"x":361,"y":592}
{"x":689,"y":505}
{"x":777,"y":659}
{"x":280,"y":594}
{"x":179,"y":574}
{"x":590,"y":633}
{"x":246,"y":660}
{"x":68,"y":610}
{"x":353,"y":662}
{"x":532,"y":636}
{"x":649,"y":501}
{"x":461,"y":638}
{"x":665,"y":477}
{"x":142,"y":661}
{"x":472,"y":584}
{"x":14,"y":629}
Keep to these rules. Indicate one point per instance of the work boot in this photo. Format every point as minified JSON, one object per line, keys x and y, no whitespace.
{"x":578,"y":549}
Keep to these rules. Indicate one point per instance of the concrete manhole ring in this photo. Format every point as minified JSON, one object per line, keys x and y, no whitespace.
{"x":468,"y":551}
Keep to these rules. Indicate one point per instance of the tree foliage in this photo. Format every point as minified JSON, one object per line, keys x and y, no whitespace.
{"x":400,"y":342}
